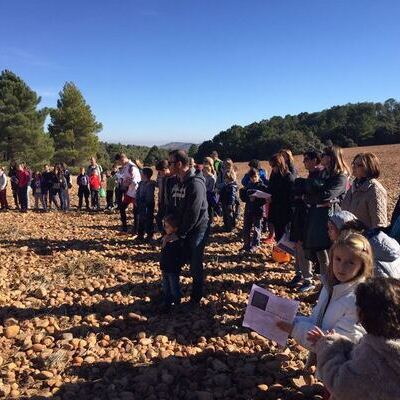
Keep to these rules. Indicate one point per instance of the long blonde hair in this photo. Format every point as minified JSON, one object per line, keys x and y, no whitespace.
{"x":337,"y":165}
{"x":209,"y":161}
{"x":361,"y":248}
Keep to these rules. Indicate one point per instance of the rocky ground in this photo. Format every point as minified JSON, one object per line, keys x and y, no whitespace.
{"x":77,"y":321}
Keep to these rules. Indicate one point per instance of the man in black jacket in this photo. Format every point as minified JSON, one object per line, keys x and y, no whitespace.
{"x":189,"y":206}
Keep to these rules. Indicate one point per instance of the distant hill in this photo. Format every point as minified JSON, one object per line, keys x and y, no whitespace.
{"x":176,"y":146}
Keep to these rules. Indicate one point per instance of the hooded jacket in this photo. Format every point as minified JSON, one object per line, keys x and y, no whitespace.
{"x":369,"y":370}
{"x":189,"y":203}
{"x":336,"y":311}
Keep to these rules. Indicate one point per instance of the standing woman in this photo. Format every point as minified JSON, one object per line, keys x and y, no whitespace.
{"x":367,"y":198}
{"x":56,"y":187}
{"x":289,"y":160}
{"x":280,"y":187}
{"x":323,"y":198}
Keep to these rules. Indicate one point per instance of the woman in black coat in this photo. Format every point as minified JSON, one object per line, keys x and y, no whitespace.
{"x":280,"y":187}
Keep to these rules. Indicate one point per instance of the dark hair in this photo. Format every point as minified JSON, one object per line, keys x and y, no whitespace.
{"x":171,"y":220}
{"x":354,"y":225}
{"x":253,"y":172}
{"x":378,"y":301}
{"x":147,"y":172}
{"x":119,"y":156}
{"x":180,"y":156}
{"x":162,"y":165}
{"x":313,"y":155}
{"x":254,"y":163}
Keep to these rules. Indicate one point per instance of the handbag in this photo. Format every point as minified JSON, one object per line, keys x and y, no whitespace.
{"x":102,"y":193}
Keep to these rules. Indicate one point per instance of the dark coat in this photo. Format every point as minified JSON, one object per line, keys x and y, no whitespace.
{"x":281,"y":190}
{"x":171,"y":260}
{"x":323,"y":197}
{"x":253,"y":206}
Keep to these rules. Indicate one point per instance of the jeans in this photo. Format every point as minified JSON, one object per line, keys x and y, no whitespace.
{"x":39,"y":197}
{"x":171,"y":288}
{"x":229,"y":217}
{"x":54,"y":193}
{"x":195,"y":244}
{"x":302,"y":266}
{"x":94,"y":198}
{"x":251,"y":230}
{"x":145,"y":223}
{"x":23,"y":197}
{"x":64,"y":199}
{"x":110,"y":199}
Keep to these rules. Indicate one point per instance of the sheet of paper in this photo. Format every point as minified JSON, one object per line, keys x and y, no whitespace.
{"x":261,"y":195}
{"x":264,"y":309}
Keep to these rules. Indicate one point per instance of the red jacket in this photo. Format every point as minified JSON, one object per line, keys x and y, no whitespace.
{"x":94,"y":182}
{"x":23,"y":178}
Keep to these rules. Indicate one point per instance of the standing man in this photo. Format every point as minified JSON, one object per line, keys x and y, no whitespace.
{"x":94,"y":167}
{"x":189,"y":206}
{"x":128,"y":181}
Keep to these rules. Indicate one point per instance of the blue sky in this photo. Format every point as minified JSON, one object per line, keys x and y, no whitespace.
{"x":156,"y":71}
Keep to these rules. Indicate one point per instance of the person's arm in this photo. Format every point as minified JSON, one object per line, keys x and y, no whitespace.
{"x":377,"y":207}
{"x":338,"y":371}
{"x":245,"y":180}
{"x":193,"y":202}
{"x":334,"y":187}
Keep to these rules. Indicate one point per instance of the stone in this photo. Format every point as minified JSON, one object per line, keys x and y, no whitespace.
{"x":11,"y":331}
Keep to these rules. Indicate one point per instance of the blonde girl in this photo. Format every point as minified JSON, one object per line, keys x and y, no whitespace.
{"x":350,"y":263}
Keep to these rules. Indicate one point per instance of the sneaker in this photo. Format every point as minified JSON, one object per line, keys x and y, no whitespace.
{"x":253,"y":249}
{"x":295,"y":281}
{"x":124,"y":228}
{"x":306,"y":286}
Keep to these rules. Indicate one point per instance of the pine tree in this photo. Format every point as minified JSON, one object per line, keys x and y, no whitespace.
{"x":22,"y":137}
{"x":73,"y":127}
{"x":155,"y":154}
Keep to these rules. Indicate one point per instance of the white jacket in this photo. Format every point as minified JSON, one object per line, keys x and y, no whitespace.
{"x":340,"y":314}
{"x":129,"y":177}
{"x":3,"y":181}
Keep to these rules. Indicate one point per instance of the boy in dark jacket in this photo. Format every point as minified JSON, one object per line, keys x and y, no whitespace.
{"x":145,"y":205}
{"x":171,"y":262}
{"x":253,"y":211}
{"x":83,"y":188}
{"x":228,"y":199}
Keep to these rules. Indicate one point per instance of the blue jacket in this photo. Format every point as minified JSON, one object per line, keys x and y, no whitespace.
{"x":263,"y":177}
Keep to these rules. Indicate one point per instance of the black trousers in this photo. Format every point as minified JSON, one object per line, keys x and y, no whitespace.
{"x":23,"y":197}
{"x":83,"y":192}
{"x":110,"y":198}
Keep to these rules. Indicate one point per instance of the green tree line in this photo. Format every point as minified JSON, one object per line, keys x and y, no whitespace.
{"x":72,"y":135}
{"x":360,"y":124}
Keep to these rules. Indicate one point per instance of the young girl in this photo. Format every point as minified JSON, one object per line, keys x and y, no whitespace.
{"x":171,"y":264}
{"x":228,"y":198}
{"x":350,"y":263}
{"x":95,"y":185}
{"x":368,"y":370}
{"x":37,"y":189}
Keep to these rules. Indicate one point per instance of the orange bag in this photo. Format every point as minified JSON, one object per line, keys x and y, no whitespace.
{"x":280,"y":256}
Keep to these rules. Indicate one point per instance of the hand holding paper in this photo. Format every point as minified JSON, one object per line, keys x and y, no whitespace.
{"x":261,"y":195}
{"x":265,"y":309}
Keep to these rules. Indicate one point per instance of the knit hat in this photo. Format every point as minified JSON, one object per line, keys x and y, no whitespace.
{"x":341,"y":217}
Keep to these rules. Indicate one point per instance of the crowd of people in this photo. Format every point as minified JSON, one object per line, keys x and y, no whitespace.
{"x":336,"y":220}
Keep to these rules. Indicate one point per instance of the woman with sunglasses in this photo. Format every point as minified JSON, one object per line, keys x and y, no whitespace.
{"x":367,"y":198}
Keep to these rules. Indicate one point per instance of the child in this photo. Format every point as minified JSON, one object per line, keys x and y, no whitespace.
{"x":3,"y":190}
{"x":145,"y":205}
{"x":350,"y":262}
{"x":95,"y":184}
{"x":171,"y":264}
{"x":83,"y":188}
{"x":228,"y":197}
{"x":253,"y":212}
{"x":36,"y":185}
{"x":111,"y":184}
{"x":368,"y":370}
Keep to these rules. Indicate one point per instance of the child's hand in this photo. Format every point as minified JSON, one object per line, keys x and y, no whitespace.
{"x":314,"y":335}
{"x":285,"y":326}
